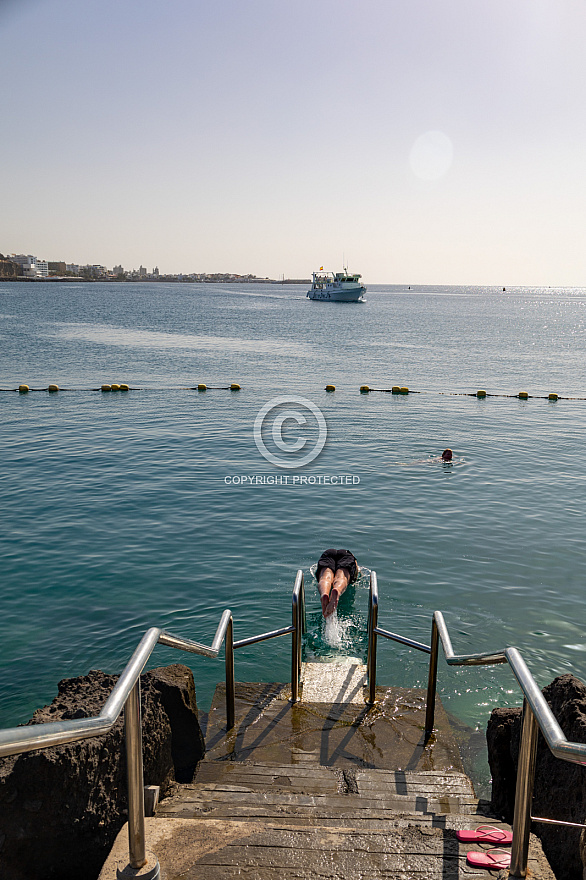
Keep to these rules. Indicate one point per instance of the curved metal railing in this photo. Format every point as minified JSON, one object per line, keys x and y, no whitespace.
{"x":126,"y":695}
{"x":536,"y":714}
{"x":14,"y":741}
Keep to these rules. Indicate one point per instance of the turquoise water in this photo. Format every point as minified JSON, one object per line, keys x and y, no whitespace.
{"x":119,"y":511}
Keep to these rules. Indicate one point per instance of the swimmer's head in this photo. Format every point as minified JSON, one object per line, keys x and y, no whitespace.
{"x":447,"y":455}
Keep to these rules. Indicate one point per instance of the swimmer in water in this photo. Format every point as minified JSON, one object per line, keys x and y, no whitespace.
{"x":446,"y":457}
{"x":335,"y":570}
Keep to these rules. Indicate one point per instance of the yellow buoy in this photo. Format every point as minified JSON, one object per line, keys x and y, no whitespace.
{"x":404,"y":390}
{"x":53,"y":388}
{"x":106,"y":387}
{"x":330,"y":387}
{"x":115,"y":386}
{"x":234,"y":386}
{"x":23,"y":389}
{"x":553,"y":396}
{"x":396,"y":389}
{"x":364,"y":389}
{"x":124,"y":387}
{"x":202,"y":387}
{"x":523,"y":395}
{"x":481,"y":393}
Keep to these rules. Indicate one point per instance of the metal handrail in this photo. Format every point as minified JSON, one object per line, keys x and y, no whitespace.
{"x":551,"y":730}
{"x":15,"y":740}
{"x":373,"y":631}
{"x":299,"y":626}
{"x":372,"y":634}
{"x":296,"y":629}
{"x":536,"y":714}
{"x":126,"y":695}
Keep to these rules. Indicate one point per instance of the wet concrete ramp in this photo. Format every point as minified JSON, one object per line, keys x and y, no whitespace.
{"x":388,"y":736}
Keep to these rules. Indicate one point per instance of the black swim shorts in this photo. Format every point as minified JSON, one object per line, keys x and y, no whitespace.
{"x":335,"y":559}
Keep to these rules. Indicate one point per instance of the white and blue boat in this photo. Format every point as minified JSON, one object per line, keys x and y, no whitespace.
{"x":336,"y":287}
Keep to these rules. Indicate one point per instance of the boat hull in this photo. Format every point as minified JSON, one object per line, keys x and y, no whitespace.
{"x":352,"y":295}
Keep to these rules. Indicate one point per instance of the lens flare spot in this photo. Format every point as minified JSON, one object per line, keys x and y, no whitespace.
{"x":431,"y":155}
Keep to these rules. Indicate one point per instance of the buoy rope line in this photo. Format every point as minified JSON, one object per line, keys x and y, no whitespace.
{"x":24,"y":389}
{"x":234,"y":386}
{"x":521,"y":396}
{"x":481,"y":394}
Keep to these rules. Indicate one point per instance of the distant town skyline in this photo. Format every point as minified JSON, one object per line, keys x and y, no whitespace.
{"x":32,"y":267}
{"x":435,"y":141}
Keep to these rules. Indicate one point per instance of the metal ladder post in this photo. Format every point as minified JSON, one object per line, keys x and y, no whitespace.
{"x":230,"y":686}
{"x":302,"y":622}
{"x":297,"y":622}
{"x":137,"y":852}
{"x":372,"y":638}
{"x":524,"y":793}
{"x":432,"y":680}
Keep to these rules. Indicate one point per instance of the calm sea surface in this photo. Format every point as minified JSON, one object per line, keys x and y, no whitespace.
{"x":121,"y":511}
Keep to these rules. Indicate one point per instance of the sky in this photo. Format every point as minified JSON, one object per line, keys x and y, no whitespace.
{"x":418,"y":142}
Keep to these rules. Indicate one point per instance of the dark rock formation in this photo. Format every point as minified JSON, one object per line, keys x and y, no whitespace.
{"x":560,"y":787}
{"x":502,"y":740}
{"x":8,"y":269}
{"x":61,"y":808}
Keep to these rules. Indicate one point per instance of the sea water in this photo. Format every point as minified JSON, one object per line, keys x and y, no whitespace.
{"x":121,"y":511}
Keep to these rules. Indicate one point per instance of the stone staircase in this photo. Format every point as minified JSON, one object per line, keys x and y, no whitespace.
{"x":295,"y":821}
{"x":313,"y":796}
{"x":332,"y":791}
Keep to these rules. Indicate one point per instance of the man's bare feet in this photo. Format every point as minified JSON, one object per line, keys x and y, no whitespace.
{"x":324,"y":603}
{"x":332,"y":604}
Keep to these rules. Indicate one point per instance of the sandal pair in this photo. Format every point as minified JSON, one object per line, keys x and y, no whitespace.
{"x":491,"y":859}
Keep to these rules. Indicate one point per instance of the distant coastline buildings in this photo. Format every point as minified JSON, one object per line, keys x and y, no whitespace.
{"x":26,"y":267}
{"x":31,"y":267}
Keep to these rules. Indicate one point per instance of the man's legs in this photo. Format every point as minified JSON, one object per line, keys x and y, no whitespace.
{"x":331,"y":586}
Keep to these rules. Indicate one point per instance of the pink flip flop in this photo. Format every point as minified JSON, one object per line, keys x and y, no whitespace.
{"x":485,"y":834}
{"x":491,"y":859}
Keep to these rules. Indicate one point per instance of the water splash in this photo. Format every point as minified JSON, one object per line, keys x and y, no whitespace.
{"x":341,"y":632}
{"x":333,"y":631}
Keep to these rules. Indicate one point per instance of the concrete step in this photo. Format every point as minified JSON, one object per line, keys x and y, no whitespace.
{"x":318,"y":779}
{"x":220,"y":849}
{"x":311,"y":810}
{"x":300,"y":794}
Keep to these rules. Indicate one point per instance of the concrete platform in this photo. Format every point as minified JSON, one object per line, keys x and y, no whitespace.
{"x":388,"y":736}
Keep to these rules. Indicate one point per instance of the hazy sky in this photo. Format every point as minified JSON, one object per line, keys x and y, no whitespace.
{"x":426,"y":141}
